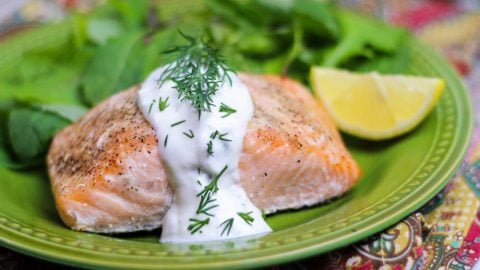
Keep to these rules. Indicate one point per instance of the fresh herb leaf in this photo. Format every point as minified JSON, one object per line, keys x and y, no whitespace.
{"x":206,"y":195}
{"x":227,"y":226}
{"x":198,"y":71}
{"x":41,"y":37}
{"x":115,"y":66}
{"x":223,"y":138}
{"x":197,"y":224}
{"x":210,"y":148}
{"x":226,"y":109}
{"x":358,"y":32}
{"x":132,"y":13}
{"x":213,"y":186}
{"x":31,"y":130}
{"x":165,"y":141}
{"x":246,"y":217}
{"x":40,"y":77}
{"x":150,"y":107}
{"x":69,"y":112}
{"x":297,"y":46}
{"x":206,"y":204}
{"x":397,"y":62}
{"x":162,"y":104}
{"x":190,"y":134}
{"x":319,"y":15}
{"x":100,"y":30}
{"x":214,"y":135}
{"x":178,"y":123}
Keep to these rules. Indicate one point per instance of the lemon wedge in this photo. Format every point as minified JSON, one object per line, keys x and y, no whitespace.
{"x":374,"y":106}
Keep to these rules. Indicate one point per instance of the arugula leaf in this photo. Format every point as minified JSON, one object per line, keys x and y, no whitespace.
{"x":397,"y":62}
{"x":358,"y":32}
{"x":115,"y":66}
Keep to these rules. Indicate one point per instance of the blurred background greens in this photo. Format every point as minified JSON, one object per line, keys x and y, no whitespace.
{"x":51,"y":74}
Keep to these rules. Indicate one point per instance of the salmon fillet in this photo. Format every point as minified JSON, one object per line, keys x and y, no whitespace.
{"x":107,"y":175}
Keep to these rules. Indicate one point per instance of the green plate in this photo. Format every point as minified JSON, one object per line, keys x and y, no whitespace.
{"x":399,"y":177}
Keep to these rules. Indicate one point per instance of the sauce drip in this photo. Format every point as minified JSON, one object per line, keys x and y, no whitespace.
{"x":200,"y":151}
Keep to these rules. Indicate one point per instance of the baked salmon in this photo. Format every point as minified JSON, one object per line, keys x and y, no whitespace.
{"x":107,"y":175}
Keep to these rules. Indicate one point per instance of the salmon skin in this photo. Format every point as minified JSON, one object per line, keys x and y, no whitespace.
{"x":107,"y":175}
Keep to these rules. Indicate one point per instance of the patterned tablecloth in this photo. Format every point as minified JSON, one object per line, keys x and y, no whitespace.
{"x":443,"y":234}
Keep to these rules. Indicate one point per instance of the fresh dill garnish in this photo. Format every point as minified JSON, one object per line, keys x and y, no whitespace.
{"x":197,"y":224}
{"x":214,"y":134}
{"x":227,"y":226}
{"x":197,"y":72}
{"x":190,"y":134}
{"x":246,"y":217}
{"x":199,"y":183}
{"x":165,"y":141}
{"x":213,"y":186}
{"x":151,"y":105}
{"x":226,"y":109}
{"x":206,"y":198}
{"x":178,"y":123}
{"x":210,"y":148}
{"x":206,"y":204}
{"x":162,"y":104}
{"x":222,"y":137}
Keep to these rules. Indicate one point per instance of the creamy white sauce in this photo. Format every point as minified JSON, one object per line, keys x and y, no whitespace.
{"x":190,"y":167}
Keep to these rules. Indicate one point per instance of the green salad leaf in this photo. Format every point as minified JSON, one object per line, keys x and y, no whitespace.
{"x":358,"y":34}
{"x":115,"y":66}
{"x":30,"y":129}
{"x":50,"y":74}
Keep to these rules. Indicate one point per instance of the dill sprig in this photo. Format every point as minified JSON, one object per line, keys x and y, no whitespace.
{"x":197,"y":224}
{"x":205,"y":204}
{"x":213,"y":186}
{"x":162,"y":104}
{"x":207,"y":193}
{"x":197,"y":72}
{"x":222,"y":137}
{"x":214,"y":134}
{"x":178,"y":123}
{"x":190,"y":134}
{"x":227,"y":226}
{"x":210,"y":148}
{"x":165,"y":142}
{"x":150,"y":108}
{"x":246,"y":217}
{"x":226,"y":109}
